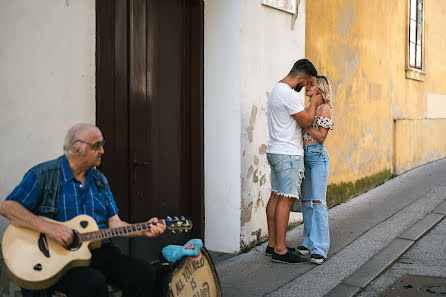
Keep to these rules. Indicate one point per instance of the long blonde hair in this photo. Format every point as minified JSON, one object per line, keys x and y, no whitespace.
{"x":324,"y":86}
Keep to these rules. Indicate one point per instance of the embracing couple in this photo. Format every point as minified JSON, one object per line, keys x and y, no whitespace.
{"x":298,"y":158}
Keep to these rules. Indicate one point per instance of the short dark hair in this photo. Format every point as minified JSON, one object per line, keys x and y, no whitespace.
{"x":303,"y":67}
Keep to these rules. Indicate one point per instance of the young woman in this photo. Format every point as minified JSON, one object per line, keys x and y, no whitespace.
{"x":316,"y":237}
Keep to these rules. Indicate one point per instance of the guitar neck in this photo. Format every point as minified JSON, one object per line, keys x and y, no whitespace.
{"x":115,"y":232}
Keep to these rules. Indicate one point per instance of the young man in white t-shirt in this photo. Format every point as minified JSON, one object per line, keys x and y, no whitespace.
{"x":286,"y":118}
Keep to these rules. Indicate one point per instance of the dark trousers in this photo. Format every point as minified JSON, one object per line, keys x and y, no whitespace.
{"x":133,"y":276}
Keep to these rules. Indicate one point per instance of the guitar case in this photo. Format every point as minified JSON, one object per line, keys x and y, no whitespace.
{"x":188,"y":278}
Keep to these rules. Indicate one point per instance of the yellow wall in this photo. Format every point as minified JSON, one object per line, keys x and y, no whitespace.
{"x":428,"y":147}
{"x":383,"y":121}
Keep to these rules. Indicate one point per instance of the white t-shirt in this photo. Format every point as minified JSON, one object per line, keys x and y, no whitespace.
{"x":285,"y":134}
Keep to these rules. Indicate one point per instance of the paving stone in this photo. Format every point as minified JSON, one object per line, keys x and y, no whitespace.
{"x":422,"y":226}
{"x":343,"y":290}
{"x":378,"y":263}
{"x":441,"y":208}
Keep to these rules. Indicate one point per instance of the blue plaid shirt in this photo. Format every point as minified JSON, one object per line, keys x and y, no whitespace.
{"x":74,"y":199}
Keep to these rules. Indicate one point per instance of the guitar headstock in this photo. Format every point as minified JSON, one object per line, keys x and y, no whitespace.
{"x":178,"y":224}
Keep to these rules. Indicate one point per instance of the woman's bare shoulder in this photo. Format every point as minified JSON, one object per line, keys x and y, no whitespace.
{"x":324,"y":110}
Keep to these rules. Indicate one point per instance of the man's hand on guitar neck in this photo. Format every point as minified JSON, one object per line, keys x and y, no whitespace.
{"x":156,"y":229}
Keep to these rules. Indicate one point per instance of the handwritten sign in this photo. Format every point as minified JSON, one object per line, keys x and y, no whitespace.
{"x":194,"y":279}
{"x":285,"y":5}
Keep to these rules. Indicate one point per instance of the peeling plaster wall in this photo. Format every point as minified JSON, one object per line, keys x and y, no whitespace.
{"x":47,"y":80}
{"x":271,"y":41}
{"x":361,"y":47}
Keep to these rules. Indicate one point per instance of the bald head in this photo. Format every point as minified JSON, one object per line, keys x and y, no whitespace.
{"x":75,"y":133}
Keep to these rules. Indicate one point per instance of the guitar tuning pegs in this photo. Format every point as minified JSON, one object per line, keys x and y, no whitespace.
{"x":182,"y":218}
{"x":168,"y":218}
{"x":175,"y":218}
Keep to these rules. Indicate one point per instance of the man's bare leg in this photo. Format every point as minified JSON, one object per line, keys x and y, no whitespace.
{"x":281,"y":217}
{"x":270,"y":210}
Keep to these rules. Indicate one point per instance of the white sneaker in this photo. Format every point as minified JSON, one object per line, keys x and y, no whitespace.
{"x":317,"y":259}
{"x":303,"y":250}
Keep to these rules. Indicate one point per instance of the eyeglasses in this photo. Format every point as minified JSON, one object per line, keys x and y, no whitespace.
{"x":94,"y":146}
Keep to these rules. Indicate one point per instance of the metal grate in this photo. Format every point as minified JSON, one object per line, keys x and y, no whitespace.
{"x":418,"y":285}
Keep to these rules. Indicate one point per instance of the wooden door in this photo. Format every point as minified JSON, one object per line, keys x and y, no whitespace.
{"x":150,"y":106}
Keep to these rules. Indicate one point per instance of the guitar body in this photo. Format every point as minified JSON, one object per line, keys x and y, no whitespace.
{"x":34,"y":261}
{"x":27,"y":264}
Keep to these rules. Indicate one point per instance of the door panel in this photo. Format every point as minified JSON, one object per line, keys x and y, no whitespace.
{"x":112,"y":96}
{"x":149,"y":106}
{"x":169,"y":79}
{"x":139,"y":114}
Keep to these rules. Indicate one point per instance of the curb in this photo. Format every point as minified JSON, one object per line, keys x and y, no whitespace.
{"x":380,"y":262}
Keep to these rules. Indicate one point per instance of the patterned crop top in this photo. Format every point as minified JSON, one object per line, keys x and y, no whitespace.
{"x":318,"y":122}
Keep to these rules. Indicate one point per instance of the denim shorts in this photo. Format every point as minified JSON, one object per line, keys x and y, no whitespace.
{"x":287,"y":172}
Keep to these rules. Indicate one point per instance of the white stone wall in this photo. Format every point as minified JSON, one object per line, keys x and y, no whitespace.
{"x":271,"y":41}
{"x":47,"y":80}
{"x":247,"y":48}
{"x":222,"y":124}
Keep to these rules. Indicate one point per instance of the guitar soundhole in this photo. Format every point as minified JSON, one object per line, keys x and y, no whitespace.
{"x":43,"y":245}
{"x":75,"y":244}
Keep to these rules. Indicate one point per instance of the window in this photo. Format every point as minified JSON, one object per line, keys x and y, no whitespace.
{"x":415,"y":56}
{"x":416,"y":34}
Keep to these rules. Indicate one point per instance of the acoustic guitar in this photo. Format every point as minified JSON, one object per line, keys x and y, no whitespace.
{"x":35,"y":261}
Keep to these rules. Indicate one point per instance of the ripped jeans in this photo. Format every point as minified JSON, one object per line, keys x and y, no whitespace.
{"x":316,"y":236}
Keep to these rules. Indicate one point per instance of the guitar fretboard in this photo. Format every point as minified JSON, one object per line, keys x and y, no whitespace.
{"x":114,"y":232}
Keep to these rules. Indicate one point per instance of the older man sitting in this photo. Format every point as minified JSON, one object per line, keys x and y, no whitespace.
{"x":69,"y":186}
